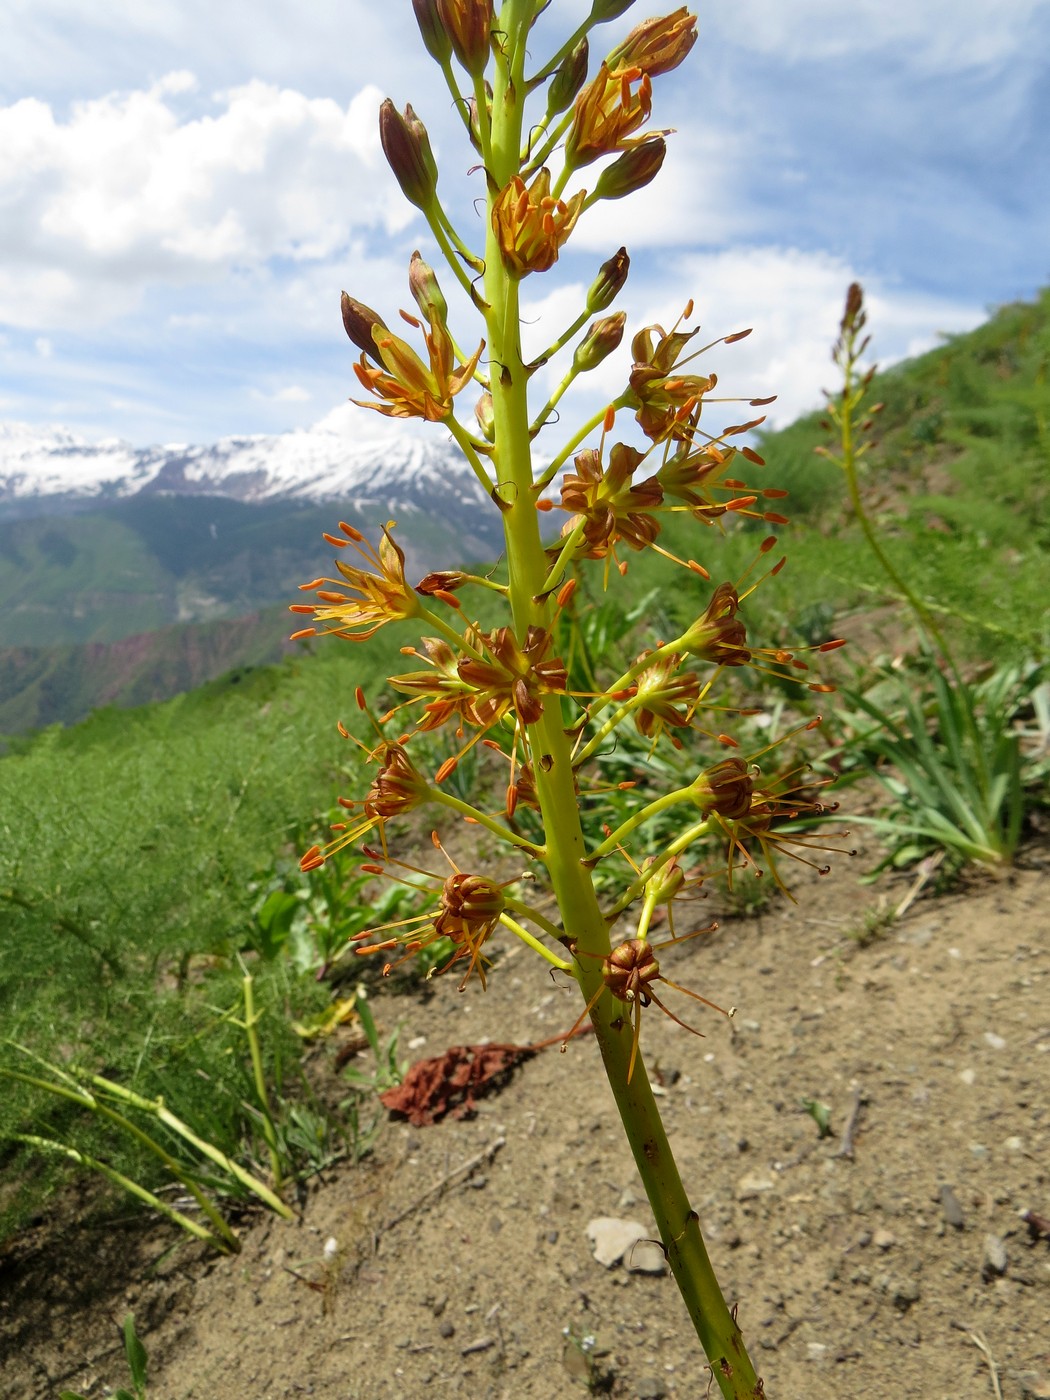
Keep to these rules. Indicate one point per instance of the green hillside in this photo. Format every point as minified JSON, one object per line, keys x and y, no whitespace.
{"x":129,"y":566}
{"x":40,"y":686}
{"x":137,"y":848}
{"x":959,"y":482}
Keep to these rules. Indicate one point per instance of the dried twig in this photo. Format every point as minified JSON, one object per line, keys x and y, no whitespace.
{"x":464,"y":1169}
{"x":846,"y":1150}
{"x":927,"y":870}
{"x":982,"y":1347}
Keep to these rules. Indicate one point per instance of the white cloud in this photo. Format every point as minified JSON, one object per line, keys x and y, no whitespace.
{"x":127,"y":191}
{"x":931,"y":36}
{"x":791,"y":300}
{"x":291,"y":393}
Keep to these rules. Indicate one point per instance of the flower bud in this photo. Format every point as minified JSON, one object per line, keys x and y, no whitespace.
{"x":609,"y":282}
{"x":358,"y":321}
{"x":531,"y":224}
{"x":725,"y":788}
{"x":407,"y":149}
{"x":468,"y":24}
{"x":601,"y":340}
{"x":656,"y":46}
{"x":423,"y":285}
{"x":486,"y":420}
{"x":633,"y":170}
{"x":568,"y":80}
{"x":435,"y":36}
{"x":603,"y":10}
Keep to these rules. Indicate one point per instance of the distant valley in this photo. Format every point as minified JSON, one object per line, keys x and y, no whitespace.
{"x":128,"y":574}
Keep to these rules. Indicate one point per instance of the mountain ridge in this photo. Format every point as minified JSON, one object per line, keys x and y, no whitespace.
{"x":52,"y":467}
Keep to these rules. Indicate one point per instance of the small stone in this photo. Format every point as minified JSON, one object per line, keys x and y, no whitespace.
{"x":864,"y":1239}
{"x":882,"y":1239}
{"x":446,"y":1329}
{"x":611,"y":1238}
{"x":754,"y":1184}
{"x":968,"y":1076}
{"x":816,"y":1351}
{"x":1034,"y":1385}
{"x":995,"y":1260}
{"x":904,"y":1292}
{"x":650,"y":1388}
{"x":1014,"y":1144}
{"x":995,"y":1041}
{"x":646,"y":1257}
{"x":950,"y":1207}
{"x":978,"y":1150}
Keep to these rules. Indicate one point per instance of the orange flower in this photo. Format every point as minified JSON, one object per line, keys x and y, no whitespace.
{"x":719,"y":635}
{"x":382,"y":594}
{"x":725,"y":789}
{"x":657,"y":45}
{"x":469,"y":910}
{"x":410,"y":388}
{"x":395,"y":790}
{"x":659,"y":692}
{"x":609,"y":110}
{"x":665,"y":401}
{"x":531,"y":225}
{"x":613,"y":508}
{"x":515,"y":679}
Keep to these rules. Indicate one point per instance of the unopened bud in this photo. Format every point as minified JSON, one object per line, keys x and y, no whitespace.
{"x":407,"y":149}
{"x":657,"y":45}
{"x":609,"y":282}
{"x":468,"y":24}
{"x":435,"y":36}
{"x":633,"y":170}
{"x":358,"y":321}
{"x":568,"y":80}
{"x":601,"y":340}
{"x":603,"y":10}
{"x":484,"y":414}
{"x":424,"y":287}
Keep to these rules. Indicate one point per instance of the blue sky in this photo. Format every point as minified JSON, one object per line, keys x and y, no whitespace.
{"x":185,"y":187}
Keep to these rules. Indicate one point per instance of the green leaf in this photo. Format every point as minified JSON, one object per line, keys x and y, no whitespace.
{"x":136,"y":1354}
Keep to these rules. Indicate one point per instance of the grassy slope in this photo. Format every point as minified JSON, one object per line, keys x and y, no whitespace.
{"x":959,"y":482}
{"x":139,"y":838}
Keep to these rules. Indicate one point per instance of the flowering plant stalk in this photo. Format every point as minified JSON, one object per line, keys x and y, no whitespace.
{"x":538,"y":138}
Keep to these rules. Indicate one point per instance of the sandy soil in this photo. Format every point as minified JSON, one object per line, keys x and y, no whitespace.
{"x":855,"y":1277}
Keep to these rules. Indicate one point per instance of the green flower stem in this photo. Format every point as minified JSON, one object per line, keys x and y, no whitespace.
{"x":678,"y":845}
{"x":489,"y":823}
{"x":639,"y":818}
{"x":581,"y":914}
{"x":458,"y":100}
{"x":450,"y":634}
{"x":568,"y":549}
{"x":574,"y":442}
{"x":649,"y":905}
{"x":534,"y":943}
{"x":526,"y":910}
{"x":541,"y":157}
{"x":132,"y":1187}
{"x":444,"y":243}
{"x":552,"y":403}
{"x":469,"y":451}
{"x":559,"y":344}
{"x":562,"y":54}
{"x":612,"y":723}
{"x":251,"y":1021}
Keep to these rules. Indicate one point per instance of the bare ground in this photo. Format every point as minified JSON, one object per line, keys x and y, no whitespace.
{"x":850,"y":1278}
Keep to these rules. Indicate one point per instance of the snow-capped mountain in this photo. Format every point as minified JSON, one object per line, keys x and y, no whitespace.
{"x":336,"y":460}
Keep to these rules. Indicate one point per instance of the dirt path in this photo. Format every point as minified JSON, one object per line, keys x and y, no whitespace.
{"x":851,"y":1276}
